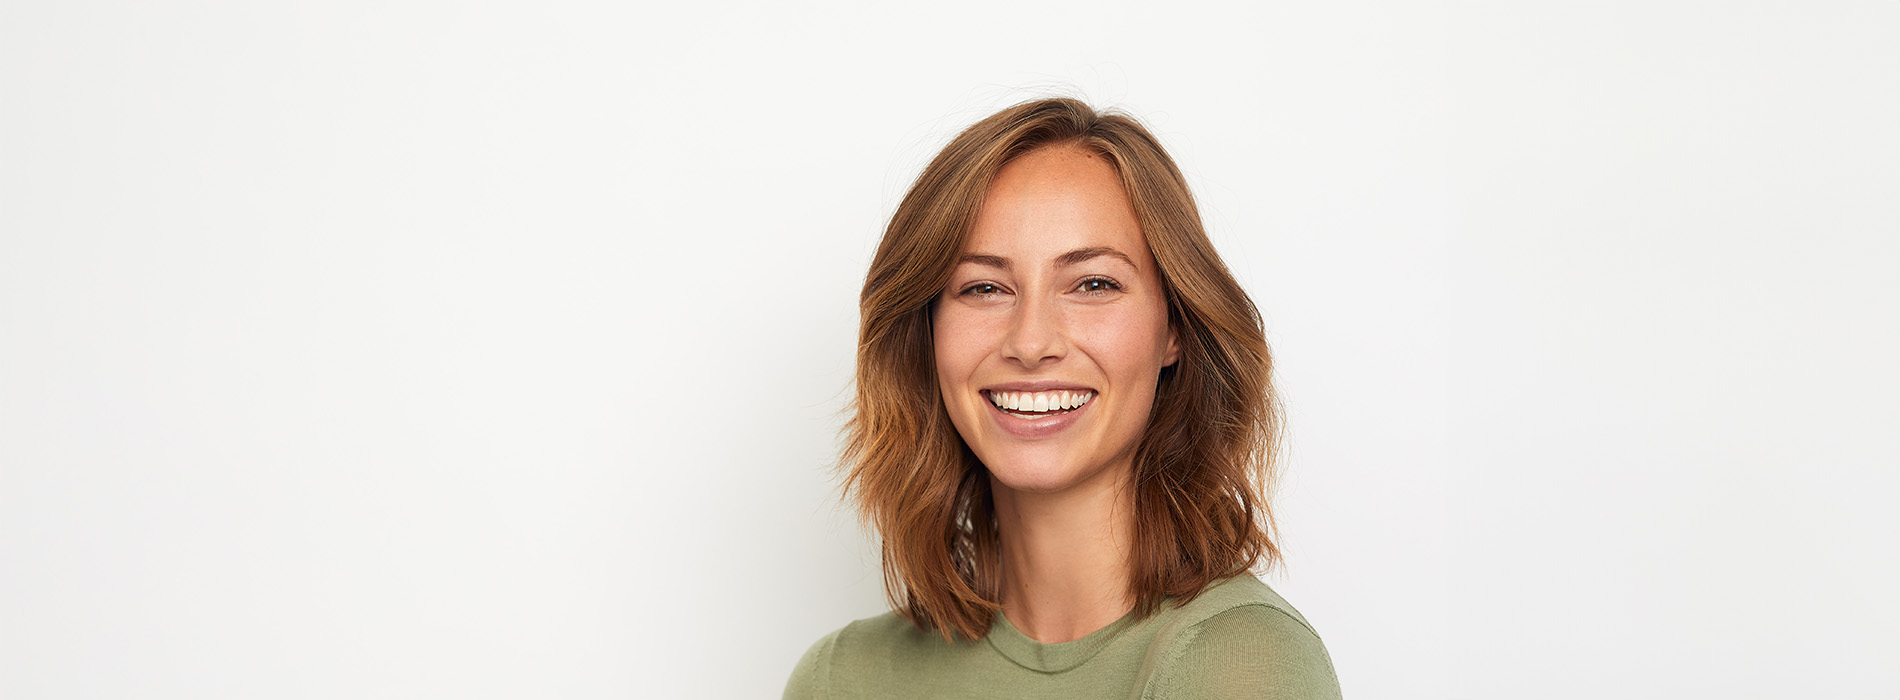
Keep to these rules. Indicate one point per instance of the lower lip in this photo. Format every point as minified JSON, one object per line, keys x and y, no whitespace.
{"x":1040,"y":427}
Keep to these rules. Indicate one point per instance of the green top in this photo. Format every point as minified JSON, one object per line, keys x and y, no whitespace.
{"x":1238,"y":639}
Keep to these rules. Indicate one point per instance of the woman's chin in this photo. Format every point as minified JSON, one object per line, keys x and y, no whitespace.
{"x":1039,"y":478}
{"x":1033,"y":481}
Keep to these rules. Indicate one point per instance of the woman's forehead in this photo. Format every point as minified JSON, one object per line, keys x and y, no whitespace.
{"x":1054,"y":201}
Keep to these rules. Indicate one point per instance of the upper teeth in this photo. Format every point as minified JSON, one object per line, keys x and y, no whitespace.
{"x":1040,"y":400}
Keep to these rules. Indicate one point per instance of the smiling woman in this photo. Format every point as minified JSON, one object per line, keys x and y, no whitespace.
{"x":1075,"y":507}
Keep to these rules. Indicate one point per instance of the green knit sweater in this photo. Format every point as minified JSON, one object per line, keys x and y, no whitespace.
{"x":1238,"y":639}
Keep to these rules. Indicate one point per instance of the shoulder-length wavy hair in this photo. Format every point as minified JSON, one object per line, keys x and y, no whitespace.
{"x":1205,"y":464}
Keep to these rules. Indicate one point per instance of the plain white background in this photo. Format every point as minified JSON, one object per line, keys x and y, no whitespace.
{"x":497,"y":350}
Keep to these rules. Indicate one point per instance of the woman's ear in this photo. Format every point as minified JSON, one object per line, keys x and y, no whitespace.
{"x":1173,"y":354}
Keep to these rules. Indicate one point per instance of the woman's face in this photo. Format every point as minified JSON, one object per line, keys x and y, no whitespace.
{"x":1053,"y":329}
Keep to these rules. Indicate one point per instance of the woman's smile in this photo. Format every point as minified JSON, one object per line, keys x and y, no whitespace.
{"x":1037,"y":414}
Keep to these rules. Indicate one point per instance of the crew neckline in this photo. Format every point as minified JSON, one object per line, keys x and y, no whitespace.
{"x":1028,"y":653}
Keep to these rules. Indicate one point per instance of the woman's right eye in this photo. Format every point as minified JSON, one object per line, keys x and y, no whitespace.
{"x":982,"y":289}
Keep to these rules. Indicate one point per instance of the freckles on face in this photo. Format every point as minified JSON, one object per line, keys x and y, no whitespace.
{"x":1053,"y":327}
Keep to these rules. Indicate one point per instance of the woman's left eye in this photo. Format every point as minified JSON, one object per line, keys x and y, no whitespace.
{"x":1097,"y":284}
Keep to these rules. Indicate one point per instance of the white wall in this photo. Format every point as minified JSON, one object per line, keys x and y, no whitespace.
{"x":368,"y":349}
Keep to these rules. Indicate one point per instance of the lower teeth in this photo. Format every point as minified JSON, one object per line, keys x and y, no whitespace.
{"x":1031,"y":414}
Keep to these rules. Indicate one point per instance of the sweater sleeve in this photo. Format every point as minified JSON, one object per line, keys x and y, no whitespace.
{"x":811,"y":679}
{"x":1254,"y":652}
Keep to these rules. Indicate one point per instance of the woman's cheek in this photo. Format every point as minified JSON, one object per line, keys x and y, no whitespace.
{"x":962,"y":339}
{"x":1104,"y":331}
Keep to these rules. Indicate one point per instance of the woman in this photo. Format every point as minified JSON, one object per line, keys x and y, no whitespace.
{"x":1063,"y":432}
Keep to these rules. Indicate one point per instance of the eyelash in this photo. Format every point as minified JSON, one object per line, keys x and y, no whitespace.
{"x":1109,"y":285}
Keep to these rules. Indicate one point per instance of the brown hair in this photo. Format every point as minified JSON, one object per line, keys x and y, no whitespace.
{"x":1205,"y":463}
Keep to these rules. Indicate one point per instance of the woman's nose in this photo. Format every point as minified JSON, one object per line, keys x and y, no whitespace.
{"x":1036,"y":334}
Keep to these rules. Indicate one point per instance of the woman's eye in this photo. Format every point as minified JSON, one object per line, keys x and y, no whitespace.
{"x":982,"y":289}
{"x":1098,"y":284}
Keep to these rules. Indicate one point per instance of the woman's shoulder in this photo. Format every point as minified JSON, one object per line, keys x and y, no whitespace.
{"x":871,"y":641}
{"x":811,"y":678}
{"x":1242,"y":596}
{"x":1240,"y":639}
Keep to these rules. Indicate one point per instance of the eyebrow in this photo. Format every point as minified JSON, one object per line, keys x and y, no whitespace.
{"x":1073,"y":257}
{"x":1081,"y":255}
{"x":997,"y":261}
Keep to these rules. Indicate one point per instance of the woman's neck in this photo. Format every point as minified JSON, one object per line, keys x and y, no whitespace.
{"x":1066,"y":556}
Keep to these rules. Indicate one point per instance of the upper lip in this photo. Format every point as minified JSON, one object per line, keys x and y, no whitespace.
{"x":1042,"y":385}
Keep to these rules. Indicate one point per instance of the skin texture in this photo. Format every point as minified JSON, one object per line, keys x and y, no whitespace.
{"x":1057,"y":284}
